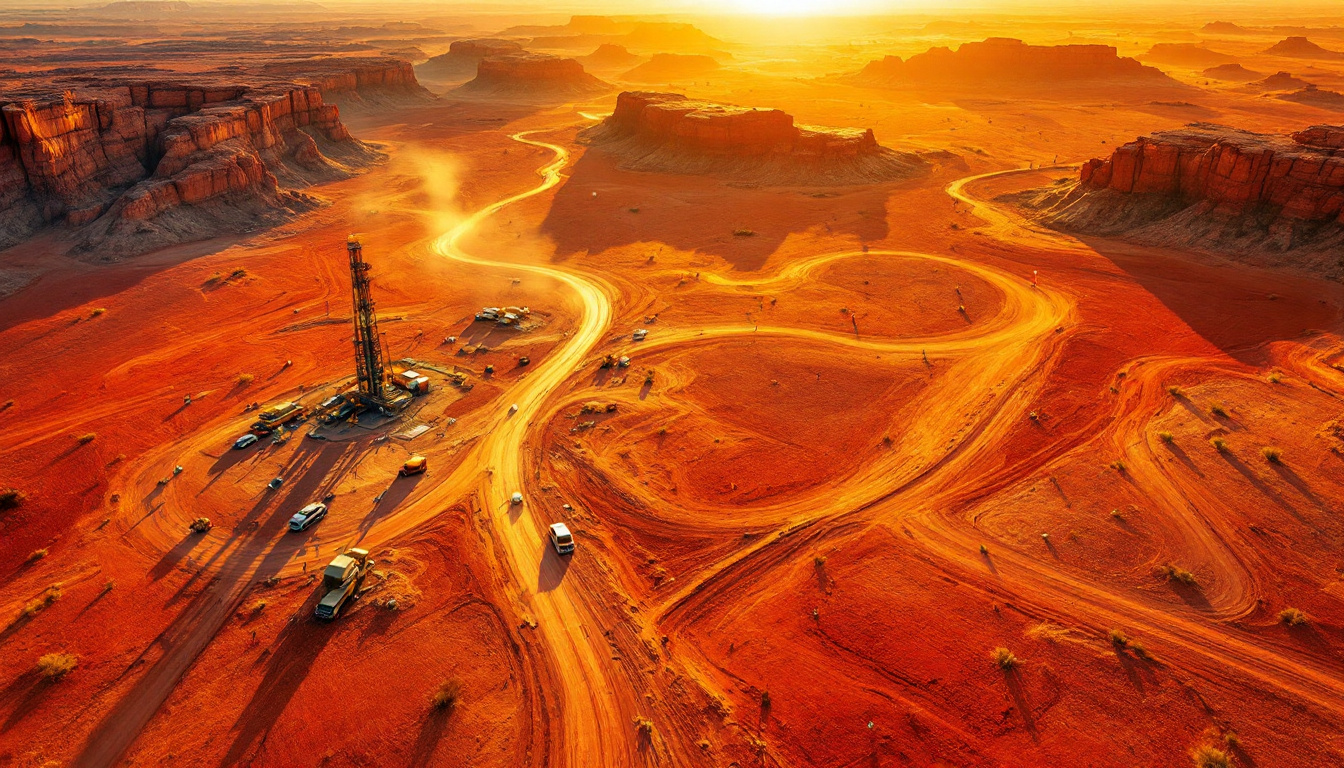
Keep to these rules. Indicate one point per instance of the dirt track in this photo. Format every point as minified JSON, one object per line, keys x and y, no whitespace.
{"x":986,"y":376}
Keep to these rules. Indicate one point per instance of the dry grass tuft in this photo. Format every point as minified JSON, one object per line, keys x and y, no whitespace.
{"x":447,"y":695}
{"x":1219,"y":444}
{"x":1210,"y":757}
{"x":1177,"y":573}
{"x":1119,"y":639}
{"x":1293,"y":617}
{"x":1005,"y":659}
{"x":55,"y":666}
{"x":86,"y":438}
{"x":1272,"y":455}
{"x":1167,"y":437}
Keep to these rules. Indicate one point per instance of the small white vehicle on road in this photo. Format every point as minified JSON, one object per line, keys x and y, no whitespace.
{"x":245,"y":441}
{"x":516,"y":498}
{"x":562,"y":539}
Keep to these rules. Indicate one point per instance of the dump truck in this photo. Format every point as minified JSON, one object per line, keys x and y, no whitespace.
{"x":341,"y":581}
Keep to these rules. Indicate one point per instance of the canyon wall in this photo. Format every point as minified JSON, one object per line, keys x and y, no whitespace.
{"x":126,"y":162}
{"x":1297,"y":177}
{"x":1269,"y":200}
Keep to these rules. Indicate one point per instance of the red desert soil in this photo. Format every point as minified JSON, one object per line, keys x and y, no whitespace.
{"x":875,"y":433}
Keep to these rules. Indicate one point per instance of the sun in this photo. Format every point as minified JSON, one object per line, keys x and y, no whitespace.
{"x":793,"y":7}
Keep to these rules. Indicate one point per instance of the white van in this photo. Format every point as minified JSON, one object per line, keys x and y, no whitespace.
{"x":562,"y":539}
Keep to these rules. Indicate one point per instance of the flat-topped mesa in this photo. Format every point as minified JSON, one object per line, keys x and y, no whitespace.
{"x":463,"y":56}
{"x":145,"y":163}
{"x":531,"y":76}
{"x":1000,"y":59}
{"x":1298,"y":177}
{"x":670,"y":133}
{"x":702,"y":126}
{"x":353,"y":82}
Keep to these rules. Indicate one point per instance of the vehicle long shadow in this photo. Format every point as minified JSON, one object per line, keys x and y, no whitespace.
{"x":300,"y":644}
{"x":552,"y":571}
{"x":391,"y":498}
{"x":183,"y":640}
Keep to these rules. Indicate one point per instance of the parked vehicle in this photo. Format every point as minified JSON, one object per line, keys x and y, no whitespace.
{"x":276,"y":415}
{"x":562,"y":539}
{"x":245,"y":441}
{"x":414,"y":466}
{"x":517,"y":498}
{"x":276,"y":482}
{"x":639,"y":335}
{"x":341,"y":581}
{"x":307,"y":516}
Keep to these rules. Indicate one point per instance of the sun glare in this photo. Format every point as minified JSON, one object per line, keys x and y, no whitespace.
{"x":795,"y":7}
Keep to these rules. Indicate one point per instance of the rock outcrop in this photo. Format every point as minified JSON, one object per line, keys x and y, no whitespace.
{"x":137,"y":164}
{"x":1279,"y":81}
{"x":1301,"y":48}
{"x":1004,"y":60}
{"x":669,"y":133}
{"x":531,"y":77}
{"x":609,"y":56}
{"x":1231,"y":72}
{"x":1186,"y":55}
{"x":1213,"y":186}
{"x":1315,"y":97}
{"x":464,"y":56}
{"x":669,"y":67}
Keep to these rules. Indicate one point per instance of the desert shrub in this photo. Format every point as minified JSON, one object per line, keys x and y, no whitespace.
{"x":12,"y":498}
{"x":1275,"y":378}
{"x":1174,"y":390}
{"x":86,"y":438}
{"x":36,"y":554}
{"x":1118,"y":639}
{"x":1177,"y":573}
{"x":765,"y":699}
{"x":742,"y":232}
{"x":1209,"y":757}
{"x":1293,"y":617}
{"x":1167,"y":437}
{"x":1219,"y":444}
{"x":55,"y":666}
{"x":644,"y":725}
{"x":97,"y":311}
{"x":819,"y":562}
{"x":1139,"y":649}
{"x":448,"y":694}
{"x":1118,"y":466}
{"x":1272,"y":455}
{"x":238,"y":273}
{"x":1217,"y":409}
{"x":244,"y":379}
{"x":258,"y":607}
{"x":1004,"y":659}
{"x":109,"y":586}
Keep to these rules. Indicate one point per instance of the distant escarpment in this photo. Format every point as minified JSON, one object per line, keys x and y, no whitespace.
{"x":670,"y":67}
{"x":128,"y":166}
{"x":464,"y":56}
{"x":1001,"y":60}
{"x":1214,"y":187}
{"x":669,"y":133}
{"x":356,"y":83}
{"x":531,"y":77}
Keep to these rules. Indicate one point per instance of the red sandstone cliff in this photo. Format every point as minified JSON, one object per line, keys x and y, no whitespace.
{"x":148,"y":163}
{"x":667,"y":132}
{"x":1299,"y":177}
{"x":531,"y":76}
{"x":999,"y":60}
{"x":1274,"y":200}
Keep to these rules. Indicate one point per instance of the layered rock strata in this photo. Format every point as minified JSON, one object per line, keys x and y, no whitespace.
{"x":138,"y":164}
{"x":667,"y":132}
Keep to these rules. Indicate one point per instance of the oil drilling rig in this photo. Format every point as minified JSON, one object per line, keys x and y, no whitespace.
{"x":371,"y":360}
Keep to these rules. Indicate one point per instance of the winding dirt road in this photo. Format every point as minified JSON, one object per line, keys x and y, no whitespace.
{"x":992,"y":370}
